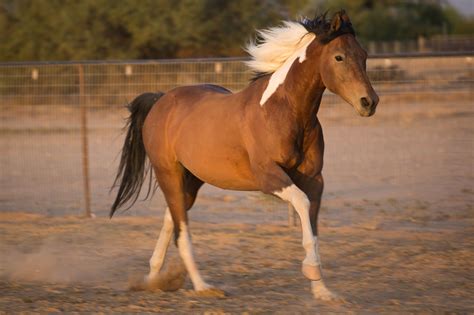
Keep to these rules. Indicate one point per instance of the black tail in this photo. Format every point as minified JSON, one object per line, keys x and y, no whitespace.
{"x":132,"y":169}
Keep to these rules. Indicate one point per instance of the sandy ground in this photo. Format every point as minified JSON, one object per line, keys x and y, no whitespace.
{"x":397,"y":221}
{"x":413,"y":259}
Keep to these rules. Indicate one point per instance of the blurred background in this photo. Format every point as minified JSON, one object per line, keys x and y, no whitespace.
{"x":157,"y":29}
{"x":67,"y":68}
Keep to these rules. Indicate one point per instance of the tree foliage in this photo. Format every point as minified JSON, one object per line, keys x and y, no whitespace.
{"x":131,"y":29}
{"x":398,"y":19}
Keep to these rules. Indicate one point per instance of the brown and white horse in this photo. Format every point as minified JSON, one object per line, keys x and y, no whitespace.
{"x":266,"y":137}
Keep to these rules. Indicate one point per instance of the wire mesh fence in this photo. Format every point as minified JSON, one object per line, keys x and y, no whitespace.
{"x":60,"y":132}
{"x":107,"y":84}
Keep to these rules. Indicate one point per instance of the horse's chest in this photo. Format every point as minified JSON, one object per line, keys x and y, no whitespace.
{"x":292,"y":152}
{"x":304,"y":152}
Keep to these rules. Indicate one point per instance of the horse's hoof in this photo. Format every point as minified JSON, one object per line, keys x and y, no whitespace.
{"x":211,"y":292}
{"x":311,"y":272}
{"x":137,"y":283}
{"x":164,"y":281}
{"x":320,"y":292}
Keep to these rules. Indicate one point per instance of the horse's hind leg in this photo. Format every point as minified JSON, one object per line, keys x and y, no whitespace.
{"x":191,"y":188}
{"x":158,"y":257}
{"x":177,"y":186}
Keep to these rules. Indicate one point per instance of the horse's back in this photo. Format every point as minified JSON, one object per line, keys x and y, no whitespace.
{"x":179,"y":103}
{"x":216,"y":88}
{"x":197,"y":92}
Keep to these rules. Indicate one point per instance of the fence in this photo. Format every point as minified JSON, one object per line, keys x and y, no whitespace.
{"x":114,"y":83}
{"x":435,"y":44}
{"x":60,"y":130}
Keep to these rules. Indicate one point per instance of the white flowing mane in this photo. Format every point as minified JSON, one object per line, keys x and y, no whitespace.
{"x":276,"y":45}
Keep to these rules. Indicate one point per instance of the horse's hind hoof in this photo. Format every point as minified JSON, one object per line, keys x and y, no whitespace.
{"x":164,"y":281}
{"x":137,"y":283}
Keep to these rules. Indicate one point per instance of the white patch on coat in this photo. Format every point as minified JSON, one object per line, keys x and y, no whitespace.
{"x":186,"y":253}
{"x":158,"y":257}
{"x":300,"y":202}
{"x":279,"y":76}
{"x":277,"y":51}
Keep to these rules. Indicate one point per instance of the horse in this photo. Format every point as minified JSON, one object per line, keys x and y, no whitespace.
{"x":266,"y":137}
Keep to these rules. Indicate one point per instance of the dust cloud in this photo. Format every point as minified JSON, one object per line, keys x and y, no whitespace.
{"x":52,"y":261}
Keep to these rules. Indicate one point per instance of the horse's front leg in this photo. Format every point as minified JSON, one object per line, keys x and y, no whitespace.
{"x":313,"y":186}
{"x":299,"y":200}
{"x":274,"y":180}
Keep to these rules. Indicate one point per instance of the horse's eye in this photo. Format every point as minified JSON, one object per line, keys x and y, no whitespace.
{"x":339,"y":58}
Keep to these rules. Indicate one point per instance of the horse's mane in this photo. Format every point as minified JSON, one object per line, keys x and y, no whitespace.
{"x":273,"y":46}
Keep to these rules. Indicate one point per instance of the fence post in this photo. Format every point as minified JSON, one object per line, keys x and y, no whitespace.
{"x":85,"y":144}
{"x":372,"y":48}
{"x":291,"y":215}
{"x":421,"y":44}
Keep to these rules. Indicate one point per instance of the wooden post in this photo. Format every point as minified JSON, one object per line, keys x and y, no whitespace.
{"x":291,"y":215}
{"x":397,"y":47}
{"x":85,"y":144}
{"x":421,"y":44}
{"x":372,"y":48}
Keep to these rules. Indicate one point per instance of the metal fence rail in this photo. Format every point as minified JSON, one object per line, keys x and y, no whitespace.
{"x":65,"y":107}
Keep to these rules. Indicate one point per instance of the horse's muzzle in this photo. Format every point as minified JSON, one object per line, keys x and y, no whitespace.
{"x":368,"y":105}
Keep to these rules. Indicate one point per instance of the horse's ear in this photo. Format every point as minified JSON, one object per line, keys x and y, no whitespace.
{"x":336,"y":22}
{"x":321,"y":17}
{"x":345,"y":17}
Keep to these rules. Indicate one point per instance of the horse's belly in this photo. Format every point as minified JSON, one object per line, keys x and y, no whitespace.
{"x":226,"y":173}
{"x":222,"y":166}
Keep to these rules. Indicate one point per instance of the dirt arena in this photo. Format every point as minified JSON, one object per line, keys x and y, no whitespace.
{"x":397,"y":223}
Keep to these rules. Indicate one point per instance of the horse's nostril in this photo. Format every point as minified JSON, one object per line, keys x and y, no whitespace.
{"x":364,"y":102}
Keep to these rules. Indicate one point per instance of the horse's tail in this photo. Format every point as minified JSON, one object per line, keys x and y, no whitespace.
{"x":132,"y":169}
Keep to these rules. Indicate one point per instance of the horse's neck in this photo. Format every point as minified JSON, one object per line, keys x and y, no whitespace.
{"x":304,"y":89}
{"x":301,"y":86}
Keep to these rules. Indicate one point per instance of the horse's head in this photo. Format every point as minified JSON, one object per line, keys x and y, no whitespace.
{"x":343,"y":64}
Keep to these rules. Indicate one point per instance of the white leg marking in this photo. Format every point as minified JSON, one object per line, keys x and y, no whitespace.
{"x":300,"y":202}
{"x":278,"y":77}
{"x":156,"y":260}
{"x":186,"y":252}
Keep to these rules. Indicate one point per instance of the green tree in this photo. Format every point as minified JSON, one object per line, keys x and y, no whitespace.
{"x":126,"y":29}
{"x":144,"y":29}
{"x":391,"y":19}
{"x":457,"y":24}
